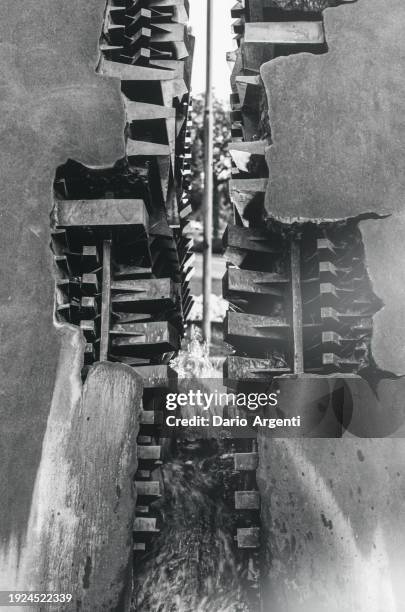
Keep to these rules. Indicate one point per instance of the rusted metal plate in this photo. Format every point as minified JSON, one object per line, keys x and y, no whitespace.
{"x":238,"y":283}
{"x":246,"y":462}
{"x":105,"y":302}
{"x":254,"y":10}
{"x":106,"y":212}
{"x":148,"y":488}
{"x":238,"y":10}
{"x":247,"y":500}
{"x":248,"y":537}
{"x":133,"y":317}
{"x":251,"y":369}
{"x":150,"y":417}
{"x":136,"y":295}
{"x":143,"y":339}
{"x":353,"y":319}
{"x":297,"y":316}
{"x":157,"y":376}
{"x":149,"y":453}
{"x":139,"y":111}
{"x":248,"y":79}
{"x":327,"y":270}
{"x":88,"y":327}
{"x":88,"y":307}
{"x":89,"y":354}
{"x":242,"y":153}
{"x":71,"y":312}
{"x":160,"y":227}
{"x":329,"y":291}
{"x":332,"y":339}
{"x":145,"y":525}
{"x":69,"y":287}
{"x":326,"y":247}
{"x":128,"y":72}
{"x":63,"y":264}
{"x":330,"y":316}
{"x":334,"y":363}
{"x":245,"y":247}
{"x":248,"y":240}
{"x":249,"y":185}
{"x":262,"y":329}
{"x":89,"y":284}
{"x":285,"y":32}
{"x":168,"y":32}
{"x":141,"y":148}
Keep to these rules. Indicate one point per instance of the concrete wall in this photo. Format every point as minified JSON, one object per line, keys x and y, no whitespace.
{"x":332,"y":510}
{"x":338,"y":146}
{"x":80,"y":532}
{"x":332,"y":515}
{"x":52,"y":106}
{"x":338,"y":119}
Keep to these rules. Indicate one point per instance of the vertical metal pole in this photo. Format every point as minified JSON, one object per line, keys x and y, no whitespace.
{"x":297,"y":307}
{"x":208,"y":182}
{"x":105,"y":302}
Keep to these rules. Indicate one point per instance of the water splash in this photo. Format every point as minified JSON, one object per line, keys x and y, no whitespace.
{"x":193,"y":360}
{"x":193,"y":565}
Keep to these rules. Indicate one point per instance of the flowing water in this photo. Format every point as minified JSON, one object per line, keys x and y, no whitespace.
{"x":193,"y":564}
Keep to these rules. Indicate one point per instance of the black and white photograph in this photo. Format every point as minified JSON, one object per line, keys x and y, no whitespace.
{"x":202,"y":299}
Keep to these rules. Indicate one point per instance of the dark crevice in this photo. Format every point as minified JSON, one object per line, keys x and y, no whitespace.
{"x":339,"y":303}
{"x":250,"y":120}
{"x":338,"y":299}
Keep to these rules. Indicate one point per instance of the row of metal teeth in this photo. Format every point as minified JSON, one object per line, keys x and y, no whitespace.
{"x":138,"y":32}
{"x":300,"y":301}
{"x":268,"y":268}
{"x":263,"y":32}
{"x":121,"y":240}
{"x":336,"y":317}
{"x":247,"y":500}
{"x":148,"y":486}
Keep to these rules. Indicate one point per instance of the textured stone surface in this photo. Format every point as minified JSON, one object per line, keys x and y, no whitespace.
{"x":338,"y":119}
{"x":338,"y":132}
{"x":332,"y":513}
{"x":83,"y":504}
{"x":52,"y":106}
{"x":332,"y":510}
{"x":301,"y":5}
{"x":384,"y":246}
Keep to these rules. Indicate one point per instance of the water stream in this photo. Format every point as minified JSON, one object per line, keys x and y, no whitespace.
{"x":193,"y":564}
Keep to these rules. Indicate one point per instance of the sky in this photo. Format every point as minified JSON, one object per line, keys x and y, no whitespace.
{"x":223,"y":42}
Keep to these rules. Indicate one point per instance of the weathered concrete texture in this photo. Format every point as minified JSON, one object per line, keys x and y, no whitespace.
{"x":301,"y":5}
{"x":338,"y":119}
{"x":332,"y":515}
{"x":52,"y":106}
{"x":83,"y":504}
{"x":384,"y":246}
{"x":338,"y":130}
{"x":332,"y":406}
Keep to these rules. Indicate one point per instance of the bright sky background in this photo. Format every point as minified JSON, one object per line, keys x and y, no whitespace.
{"x":223,"y":42}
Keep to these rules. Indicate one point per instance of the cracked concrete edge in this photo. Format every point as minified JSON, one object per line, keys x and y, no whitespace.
{"x":55,"y":106}
{"x":388,"y":341}
{"x":384,"y":248}
{"x":90,"y":442}
{"x":337,"y":143}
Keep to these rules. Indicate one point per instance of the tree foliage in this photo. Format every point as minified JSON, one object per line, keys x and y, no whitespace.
{"x":222,"y":163}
